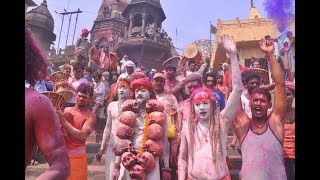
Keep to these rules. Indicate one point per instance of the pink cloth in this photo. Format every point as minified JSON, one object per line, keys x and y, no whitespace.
{"x":104,"y":60}
{"x":262,"y":157}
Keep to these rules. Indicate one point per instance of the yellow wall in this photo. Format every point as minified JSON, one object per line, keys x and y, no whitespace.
{"x":247,"y":53}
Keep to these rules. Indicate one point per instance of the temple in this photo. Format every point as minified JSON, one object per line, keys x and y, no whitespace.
{"x":247,"y":33}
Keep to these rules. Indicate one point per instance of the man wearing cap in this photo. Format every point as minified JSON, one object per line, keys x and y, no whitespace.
{"x":82,"y":47}
{"x":151,"y":74}
{"x":109,"y":134}
{"x":143,"y":91}
{"x":123,"y":63}
{"x":129,"y":69}
{"x":94,"y":56}
{"x":170,"y":106}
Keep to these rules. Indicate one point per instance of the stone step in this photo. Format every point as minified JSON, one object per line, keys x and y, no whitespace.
{"x":91,"y":158}
{"x":92,"y":147}
{"x":94,"y":172}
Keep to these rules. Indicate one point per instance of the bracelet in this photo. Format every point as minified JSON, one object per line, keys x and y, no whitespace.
{"x":116,"y":166}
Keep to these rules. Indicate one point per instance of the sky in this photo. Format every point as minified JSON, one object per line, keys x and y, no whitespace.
{"x":186,"y":20}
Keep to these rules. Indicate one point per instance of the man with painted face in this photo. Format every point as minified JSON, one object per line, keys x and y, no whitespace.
{"x":204,"y":135}
{"x":112,"y":124}
{"x":143,"y":91}
{"x":261,"y":136}
{"x":42,"y":127}
{"x":78,"y":122}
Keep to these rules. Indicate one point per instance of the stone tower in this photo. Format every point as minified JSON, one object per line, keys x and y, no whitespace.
{"x":109,"y":20}
{"x":144,"y":40}
{"x":41,"y":23}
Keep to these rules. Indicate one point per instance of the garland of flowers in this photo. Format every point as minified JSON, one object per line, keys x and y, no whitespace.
{"x":145,"y":135}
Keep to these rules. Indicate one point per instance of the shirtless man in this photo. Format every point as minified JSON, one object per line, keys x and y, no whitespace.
{"x":204,"y":136}
{"x":46,"y":134}
{"x":172,"y":85}
{"x":261,"y":137}
{"x":78,"y":122}
{"x":170,"y":106}
{"x":112,"y":123}
{"x":143,"y":92}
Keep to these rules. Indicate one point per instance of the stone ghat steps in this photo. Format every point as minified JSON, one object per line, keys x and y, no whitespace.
{"x":95,"y":172}
{"x":96,"y":168}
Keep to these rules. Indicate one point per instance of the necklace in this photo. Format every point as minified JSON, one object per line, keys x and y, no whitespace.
{"x":258,"y":126}
{"x":205,"y":135}
{"x":119,"y":107}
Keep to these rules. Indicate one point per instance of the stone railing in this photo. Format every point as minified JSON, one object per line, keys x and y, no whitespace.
{"x":243,"y":23}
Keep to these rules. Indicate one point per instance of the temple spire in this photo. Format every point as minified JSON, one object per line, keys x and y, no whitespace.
{"x":252,"y":6}
{"x":44,"y":3}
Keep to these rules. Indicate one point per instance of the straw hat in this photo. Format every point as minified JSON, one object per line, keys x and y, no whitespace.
{"x":173,"y":61}
{"x":58,"y":76}
{"x":62,"y":89}
{"x":56,"y":99}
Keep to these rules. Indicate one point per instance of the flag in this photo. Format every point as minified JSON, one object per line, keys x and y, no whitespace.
{"x":213,"y":29}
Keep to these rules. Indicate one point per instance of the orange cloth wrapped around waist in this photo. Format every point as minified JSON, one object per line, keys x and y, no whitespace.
{"x":79,"y":167}
{"x":289,"y":141}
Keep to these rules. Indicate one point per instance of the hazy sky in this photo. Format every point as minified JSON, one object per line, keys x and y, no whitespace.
{"x":191,"y":18}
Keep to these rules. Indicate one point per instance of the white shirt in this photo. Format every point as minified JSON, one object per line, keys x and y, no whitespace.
{"x":99,"y":91}
{"x":76,"y":85}
{"x":199,"y":71}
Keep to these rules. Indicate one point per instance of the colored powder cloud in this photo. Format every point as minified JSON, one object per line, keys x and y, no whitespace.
{"x":280,"y":10}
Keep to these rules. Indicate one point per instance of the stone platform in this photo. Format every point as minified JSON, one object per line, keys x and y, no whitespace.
{"x":96,"y":169}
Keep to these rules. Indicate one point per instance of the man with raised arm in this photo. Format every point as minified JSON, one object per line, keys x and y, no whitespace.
{"x":204,"y":136}
{"x":261,"y":137}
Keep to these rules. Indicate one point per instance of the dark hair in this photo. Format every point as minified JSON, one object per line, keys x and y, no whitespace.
{"x":267,"y":37}
{"x":89,"y":69}
{"x":257,"y":60}
{"x":192,"y":62}
{"x":34,"y":58}
{"x":171,"y":67}
{"x":85,"y":88}
{"x":211,"y":75}
{"x":78,"y":65}
{"x":244,"y":73}
{"x":251,"y":75}
{"x":258,"y":90}
{"x":97,"y":74}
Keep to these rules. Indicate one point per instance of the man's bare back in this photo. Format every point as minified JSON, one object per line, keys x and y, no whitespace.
{"x":42,"y":128}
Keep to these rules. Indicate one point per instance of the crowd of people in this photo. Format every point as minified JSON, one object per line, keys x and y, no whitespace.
{"x":120,"y":103}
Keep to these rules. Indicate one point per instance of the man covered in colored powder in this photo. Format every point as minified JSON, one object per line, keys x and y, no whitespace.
{"x":261,"y":136}
{"x":42,"y":126}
